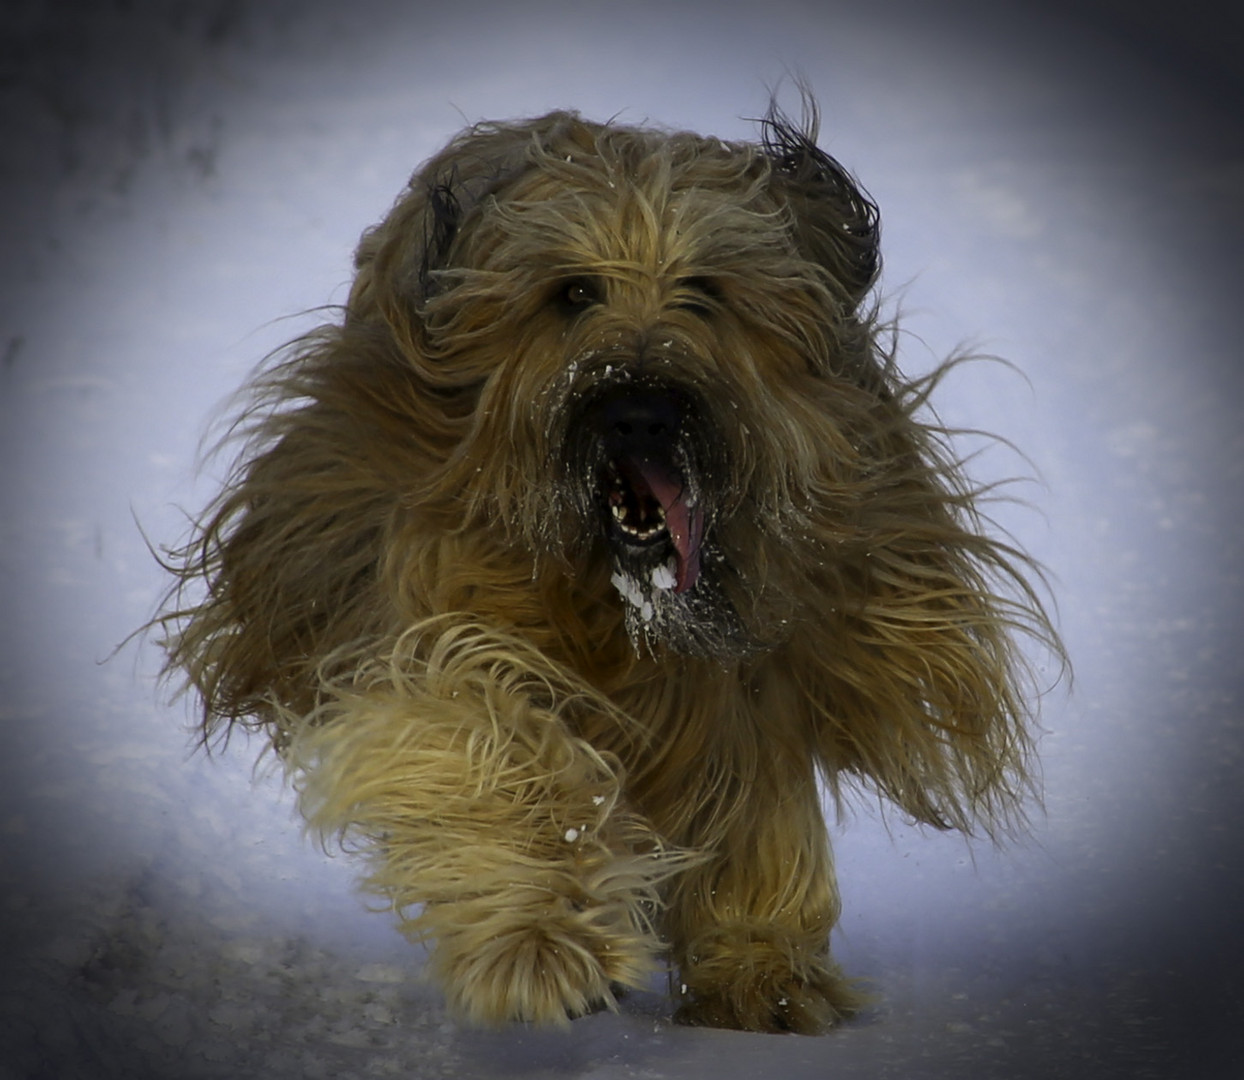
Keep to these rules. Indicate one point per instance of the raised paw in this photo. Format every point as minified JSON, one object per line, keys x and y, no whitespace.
{"x":548,"y":968}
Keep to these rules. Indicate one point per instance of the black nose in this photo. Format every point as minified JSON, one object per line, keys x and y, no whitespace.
{"x":639,"y":420}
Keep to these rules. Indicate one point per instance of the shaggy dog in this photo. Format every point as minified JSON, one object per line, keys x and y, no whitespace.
{"x":599,"y":528}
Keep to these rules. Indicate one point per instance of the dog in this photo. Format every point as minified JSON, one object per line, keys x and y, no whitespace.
{"x":595,"y":544}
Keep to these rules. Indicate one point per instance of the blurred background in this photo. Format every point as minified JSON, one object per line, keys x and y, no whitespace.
{"x":1061,"y":184}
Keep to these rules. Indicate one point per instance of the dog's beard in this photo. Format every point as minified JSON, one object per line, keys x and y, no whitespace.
{"x":645,"y":477}
{"x":699,"y":622}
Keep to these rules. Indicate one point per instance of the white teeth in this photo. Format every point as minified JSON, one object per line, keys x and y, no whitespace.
{"x":619,"y":515}
{"x":638,"y":533}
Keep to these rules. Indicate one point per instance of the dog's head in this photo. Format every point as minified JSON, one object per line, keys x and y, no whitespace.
{"x":653,"y":347}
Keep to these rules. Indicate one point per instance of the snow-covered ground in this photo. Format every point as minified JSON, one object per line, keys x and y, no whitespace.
{"x":1064,"y":190}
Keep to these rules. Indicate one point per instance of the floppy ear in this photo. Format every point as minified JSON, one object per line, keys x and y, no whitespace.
{"x":836,"y":224}
{"x":400,"y":263}
{"x":397,"y":260}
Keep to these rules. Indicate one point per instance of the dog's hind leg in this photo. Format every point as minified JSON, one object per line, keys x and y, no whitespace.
{"x":498,"y":836}
{"x":750,"y":929}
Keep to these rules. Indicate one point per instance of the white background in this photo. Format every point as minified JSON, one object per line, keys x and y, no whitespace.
{"x":179,"y":180}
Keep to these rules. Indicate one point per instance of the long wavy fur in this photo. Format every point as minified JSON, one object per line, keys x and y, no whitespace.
{"x":407,"y":583}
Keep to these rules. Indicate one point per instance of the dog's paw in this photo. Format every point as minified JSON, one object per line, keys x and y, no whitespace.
{"x":764,"y":985}
{"x":544,"y":970}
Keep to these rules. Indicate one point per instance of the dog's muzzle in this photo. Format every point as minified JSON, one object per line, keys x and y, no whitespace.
{"x":645,"y":483}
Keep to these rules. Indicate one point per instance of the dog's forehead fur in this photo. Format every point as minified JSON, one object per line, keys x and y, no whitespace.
{"x":558,"y":193}
{"x":624,"y":200}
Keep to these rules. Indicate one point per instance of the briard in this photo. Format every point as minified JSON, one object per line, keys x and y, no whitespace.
{"x":596,"y":542}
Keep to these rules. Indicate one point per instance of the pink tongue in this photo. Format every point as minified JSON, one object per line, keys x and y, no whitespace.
{"x":685,"y":522}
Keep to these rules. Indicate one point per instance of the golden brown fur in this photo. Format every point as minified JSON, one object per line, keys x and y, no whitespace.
{"x":409,"y":578}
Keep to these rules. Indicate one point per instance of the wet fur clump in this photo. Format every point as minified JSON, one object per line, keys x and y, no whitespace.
{"x":598,"y":529}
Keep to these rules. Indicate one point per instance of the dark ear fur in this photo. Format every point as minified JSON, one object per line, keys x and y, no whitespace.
{"x":837,"y":224}
{"x":442,"y":217}
{"x":399,"y":261}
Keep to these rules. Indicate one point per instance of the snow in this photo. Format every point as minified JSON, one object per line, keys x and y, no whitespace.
{"x":633,"y":593}
{"x":665,"y":576}
{"x":180,"y":181}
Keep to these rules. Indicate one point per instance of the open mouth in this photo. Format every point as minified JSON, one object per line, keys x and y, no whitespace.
{"x":651,"y":506}
{"x":637,"y":513}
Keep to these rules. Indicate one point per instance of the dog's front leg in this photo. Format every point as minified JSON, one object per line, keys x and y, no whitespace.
{"x":750,"y":929}
{"x":498,"y":836}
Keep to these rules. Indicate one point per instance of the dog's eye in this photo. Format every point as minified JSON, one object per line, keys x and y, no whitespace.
{"x":699,"y":295}
{"x":577,"y":294}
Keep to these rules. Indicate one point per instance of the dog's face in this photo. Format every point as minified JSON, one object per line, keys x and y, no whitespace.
{"x":663,"y":333}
